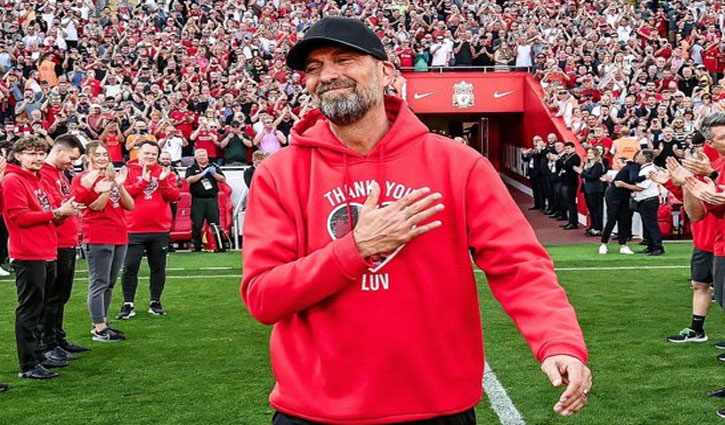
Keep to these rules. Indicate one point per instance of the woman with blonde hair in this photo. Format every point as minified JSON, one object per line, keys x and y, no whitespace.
{"x":593,"y":189}
{"x":105,"y":236}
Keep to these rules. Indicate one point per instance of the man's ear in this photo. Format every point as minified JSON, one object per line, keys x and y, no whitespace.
{"x":388,"y":72}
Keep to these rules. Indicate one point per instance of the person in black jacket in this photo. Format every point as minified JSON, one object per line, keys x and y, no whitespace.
{"x":618,"y":210}
{"x":554,"y":164}
{"x":593,"y":189}
{"x":536,"y":160}
{"x":570,"y":184}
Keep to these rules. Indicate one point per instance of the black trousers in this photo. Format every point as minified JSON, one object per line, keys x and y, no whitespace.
{"x":550,"y":194}
{"x":156,"y":245}
{"x":568,"y":195}
{"x":202,"y":209}
{"x":33,"y":279}
{"x":538,"y":187}
{"x":57,"y":297}
{"x":464,"y":418}
{"x":559,"y":202}
{"x":648,"y":211}
{"x":618,"y":212}
{"x":3,"y":241}
{"x":595,"y":205}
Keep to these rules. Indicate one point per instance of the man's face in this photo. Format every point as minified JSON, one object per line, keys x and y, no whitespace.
{"x":31,"y":159}
{"x":640,"y":159}
{"x":202,"y":157}
{"x":148,"y":155}
{"x":346,"y":84}
{"x":165,"y":159}
{"x":64,"y":157}
{"x":717,"y":139}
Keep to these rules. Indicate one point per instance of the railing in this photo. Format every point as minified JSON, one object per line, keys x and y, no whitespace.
{"x":466,"y":68}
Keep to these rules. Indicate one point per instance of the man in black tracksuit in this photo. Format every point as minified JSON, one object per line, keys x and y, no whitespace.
{"x":203,"y":178}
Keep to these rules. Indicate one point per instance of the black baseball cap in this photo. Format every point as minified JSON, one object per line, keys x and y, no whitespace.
{"x":327,"y":31}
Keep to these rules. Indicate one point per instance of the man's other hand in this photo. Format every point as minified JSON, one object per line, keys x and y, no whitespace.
{"x":563,"y":369}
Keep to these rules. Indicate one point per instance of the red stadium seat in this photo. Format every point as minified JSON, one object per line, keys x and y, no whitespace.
{"x":181,"y":229}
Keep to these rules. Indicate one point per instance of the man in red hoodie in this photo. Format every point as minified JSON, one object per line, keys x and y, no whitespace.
{"x":367,"y":277}
{"x":153,"y":189}
{"x":66,"y":149}
{"x":30,"y":218}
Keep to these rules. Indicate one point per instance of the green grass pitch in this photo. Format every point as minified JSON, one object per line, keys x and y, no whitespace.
{"x":207,"y":362}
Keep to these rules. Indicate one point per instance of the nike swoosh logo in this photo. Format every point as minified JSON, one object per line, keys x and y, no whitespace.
{"x":497,"y":95}
{"x":418,"y":96}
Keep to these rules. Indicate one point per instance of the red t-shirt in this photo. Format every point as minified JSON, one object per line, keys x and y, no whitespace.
{"x":113,"y":144}
{"x":204,"y":141}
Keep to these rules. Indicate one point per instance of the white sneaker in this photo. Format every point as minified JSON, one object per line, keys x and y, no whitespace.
{"x":603,"y":249}
{"x":4,"y":273}
{"x":624,"y":249}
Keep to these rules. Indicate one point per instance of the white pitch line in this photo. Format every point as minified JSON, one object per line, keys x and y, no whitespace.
{"x":224,"y":276}
{"x":573,"y":269}
{"x":502,"y":405}
{"x":216,"y":268}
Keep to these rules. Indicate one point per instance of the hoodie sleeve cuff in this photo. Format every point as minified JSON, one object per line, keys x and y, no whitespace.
{"x":348,"y":257}
{"x":563,"y":348}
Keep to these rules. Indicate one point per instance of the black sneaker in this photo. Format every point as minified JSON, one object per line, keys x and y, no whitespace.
{"x":64,"y":355}
{"x":38,"y":372}
{"x":127,"y":311}
{"x":106,"y":335}
{"x":4,"y":387}
{"x":721,"y":357}
{"x":50,"y":364}
{"x":720,"y":345}
{"x":687,"y":335}
{"x":721,"y":413}
{"x":73,"y":348}
{"x":156,"y":309}
{"x":118,"y":331}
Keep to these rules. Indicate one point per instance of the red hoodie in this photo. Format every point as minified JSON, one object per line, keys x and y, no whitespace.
{"x":107,"y":226}
{"x":718,"y":211}
{"x":59,"y":190}
{"x":152,"y":212}
{"x":399,"y":339}
{"x":28,"y":216}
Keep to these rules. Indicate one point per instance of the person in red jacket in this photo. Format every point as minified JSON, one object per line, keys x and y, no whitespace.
{"x":66,"y":149}
{"x":153,"y":189}
{"x":105,"y":236}
{"x":30,"y":217}
{"x":708,"y":198}
{"x":367,"y":278}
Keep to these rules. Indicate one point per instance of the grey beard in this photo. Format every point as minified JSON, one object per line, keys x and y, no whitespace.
{"x":349,"y":108}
